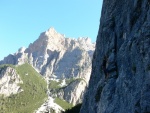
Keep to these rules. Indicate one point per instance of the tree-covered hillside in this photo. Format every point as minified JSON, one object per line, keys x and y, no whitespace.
{"x":32,"y":96}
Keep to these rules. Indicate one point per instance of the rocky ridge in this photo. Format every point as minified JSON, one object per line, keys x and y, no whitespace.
{"x":58,"y":58}
{"x":50,"y":106}
{"x":9,"y":80}
{"x":120,"y":79}
{"x":73,"y":92}
{"x":54,"y":54}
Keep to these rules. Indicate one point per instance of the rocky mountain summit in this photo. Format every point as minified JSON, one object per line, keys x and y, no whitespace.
{"x":52,"y":54}
{"x":65,"y":63}
{"x":120,"y":79}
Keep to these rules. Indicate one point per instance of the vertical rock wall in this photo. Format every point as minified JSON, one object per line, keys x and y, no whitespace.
{"x":120,"y":79}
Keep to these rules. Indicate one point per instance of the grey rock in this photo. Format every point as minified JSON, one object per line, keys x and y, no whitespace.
{"x":73,"y":93}
{"x":9,"y":81}
{"x":123,"y":47}
{"x":55,"y":56}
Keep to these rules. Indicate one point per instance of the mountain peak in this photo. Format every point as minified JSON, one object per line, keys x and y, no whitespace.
{"x":51,"y":32}
{"x":21,"y":50}
{"x":51,"y":29}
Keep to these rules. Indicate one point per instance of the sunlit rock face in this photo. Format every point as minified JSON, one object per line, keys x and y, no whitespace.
{"x":55,"y":56}
{"x":72,"y":93}
{"x":52,"y":54}
{"x":9,"y":81}
{"x":120,"y":79}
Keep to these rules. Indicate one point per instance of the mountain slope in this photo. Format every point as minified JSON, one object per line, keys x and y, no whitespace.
{"x":72,"y":92}
{"x":120,"y":79}
{"x":54,"y":54}
{"x":65,"y":63}
{"x":9,"y":80}
{"x":33,"y":94}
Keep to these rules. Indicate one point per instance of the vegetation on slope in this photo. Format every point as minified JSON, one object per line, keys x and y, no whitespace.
{"x":54,"y":86}
{"x":75,"y":109}
{"x":4,"y":66}
{"x":31,"y":98}
{"x":65,"y":105}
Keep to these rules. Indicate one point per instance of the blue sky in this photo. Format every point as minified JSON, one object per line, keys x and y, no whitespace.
{"x":22,"y":21}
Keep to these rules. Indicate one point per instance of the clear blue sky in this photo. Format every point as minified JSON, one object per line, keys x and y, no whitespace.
{"x":22,"y":21}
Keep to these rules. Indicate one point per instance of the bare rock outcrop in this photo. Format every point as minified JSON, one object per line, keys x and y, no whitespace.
{"x":73,"y":93}
{"x":9,"y":80}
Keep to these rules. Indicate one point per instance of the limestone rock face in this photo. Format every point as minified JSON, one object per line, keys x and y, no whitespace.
{"x":120,"y":79}
{"x":52,"y":54}
{"x":73,"y":93}
{"x":49,"y":107}
{"x":9,"y":80}
{"x":17,"y":58}
{"x":57,"y":57}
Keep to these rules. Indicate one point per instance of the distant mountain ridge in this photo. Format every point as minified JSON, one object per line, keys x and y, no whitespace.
{"x":52,"y":51}
{"x":65,"y":63}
